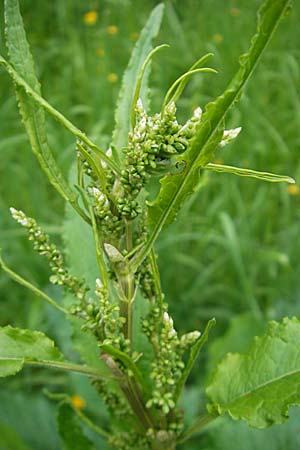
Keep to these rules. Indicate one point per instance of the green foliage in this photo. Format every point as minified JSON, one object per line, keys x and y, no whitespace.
{"x":260,"y":386}
{"x":32,"y":115}
{"x":19,"y":347}
{"x":71,"y":431}
{"x":175,"y":188}
{"x":130,"y":78}
{"x":136,"y":360}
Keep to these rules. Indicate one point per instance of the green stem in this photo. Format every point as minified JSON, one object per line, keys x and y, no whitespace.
{"x":99,"y":251}
{"x":91,"y":424}
{"x":156,"y":277}
{"x":197,"y":427}
{"x":31,"y":287}
{"x":65,"y":366}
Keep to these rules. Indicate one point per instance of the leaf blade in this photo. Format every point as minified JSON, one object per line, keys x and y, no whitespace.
{"x":260,"y":386}
{"x":130,"y":78}
{"x":32,"y":116}
{"x":250,"y":173}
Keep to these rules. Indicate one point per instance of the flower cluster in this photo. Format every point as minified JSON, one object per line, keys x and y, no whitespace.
{"x":42,"y":244}
{"x":102,"y":317}
{"x":168,"y":365}
{"x":153,"y":141}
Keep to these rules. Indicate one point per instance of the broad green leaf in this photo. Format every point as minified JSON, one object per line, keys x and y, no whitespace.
{"x":241,"y":172}
{"x":175,"y":188}
{"x":19,"y":347}
{"x":130,"y":78}
{"x":32,"y":115}
{"x":224,"y":434}
{"x":71,"y":431}
{"x":260,"y":386}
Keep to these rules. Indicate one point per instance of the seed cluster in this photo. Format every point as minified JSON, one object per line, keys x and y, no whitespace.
{"x":42,"y":244}
{"x":168,"y":364}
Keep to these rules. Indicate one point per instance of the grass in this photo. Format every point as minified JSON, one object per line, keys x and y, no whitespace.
{"x":236,"y":246}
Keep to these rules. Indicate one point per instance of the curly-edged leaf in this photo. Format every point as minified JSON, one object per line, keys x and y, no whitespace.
{"x":71,"y":431}
{"x":18,"y":347}
{"x":176,"y":188}
{"x":32,"y":115}
{"x":130,"y":78}
{"x":250,"y":173}
{"x":260,"y":386}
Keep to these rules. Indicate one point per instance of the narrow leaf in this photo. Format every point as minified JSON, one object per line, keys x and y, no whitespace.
{"x":241,"y":172}
{"x":33,"y":116}
{"x":194,"y":352}
{"x":260,"y":386}
{"x":175,"y":188}
{"x":130,"y":78}
{"x":137,"y":91}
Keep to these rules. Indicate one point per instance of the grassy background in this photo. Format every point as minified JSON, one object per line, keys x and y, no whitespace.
{"x":236,"y":245}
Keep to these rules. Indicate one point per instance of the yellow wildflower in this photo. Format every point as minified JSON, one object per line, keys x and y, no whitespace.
{"x":90,"y":18}
{"x":293,"y":189}
{"x":235,"y":12}
{"x":112,"y":77}
{"x":78,"y":402}
{"x":112,"y":30}
{"x":100,"y":52}
{"x":218,"y":38}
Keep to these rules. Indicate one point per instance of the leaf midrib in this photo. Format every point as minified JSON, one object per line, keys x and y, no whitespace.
{"x":263,"y":385}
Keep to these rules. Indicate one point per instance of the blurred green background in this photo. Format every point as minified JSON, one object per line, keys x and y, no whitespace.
{"x":234,"y":252}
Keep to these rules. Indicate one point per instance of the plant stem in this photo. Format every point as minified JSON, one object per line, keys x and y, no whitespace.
{"x":31,"y":287}
{"x":99,"y":251}
{"x":156,"y":277}
{"x":197,"y":427}
{"x":66,"y":366}
{"x":91,"y":424}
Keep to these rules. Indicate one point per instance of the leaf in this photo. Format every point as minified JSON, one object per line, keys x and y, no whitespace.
{"x":263,"y":176}
{"x":32,"y":115}
{"x":71,"y":431}
{"x":228,"y":435}
{"x":260,"y":386}
{"x":20,"y":346}
{"x":175,"y":188}
{"x":130,"y":78}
